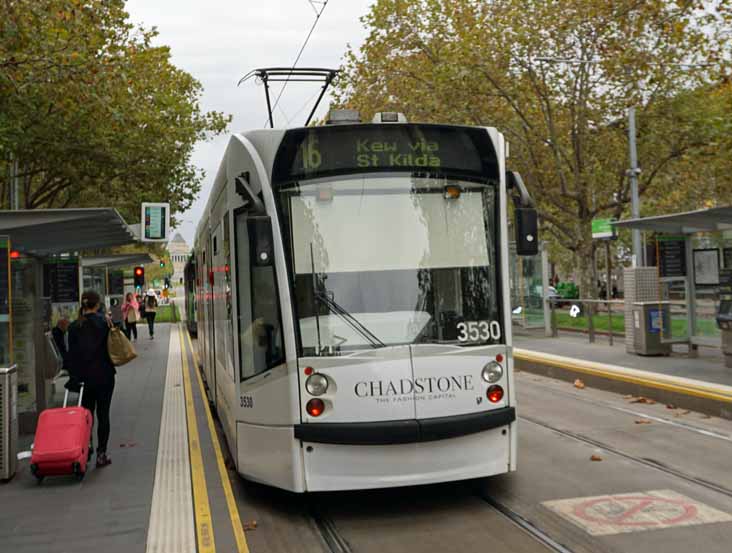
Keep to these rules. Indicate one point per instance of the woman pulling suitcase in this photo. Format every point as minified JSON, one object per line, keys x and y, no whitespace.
{"x":90,"y":363}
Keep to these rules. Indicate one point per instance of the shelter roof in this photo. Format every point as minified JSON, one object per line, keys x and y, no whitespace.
{"x":689,"y":222}
{"x":117,"y":260}
{"x":49,"y":231}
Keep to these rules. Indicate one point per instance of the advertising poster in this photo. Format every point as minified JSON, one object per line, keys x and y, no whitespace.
{"x":706,"y":267}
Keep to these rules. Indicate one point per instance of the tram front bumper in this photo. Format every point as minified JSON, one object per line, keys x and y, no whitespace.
{"x":385,"y":462}
{"x":404,"y":431}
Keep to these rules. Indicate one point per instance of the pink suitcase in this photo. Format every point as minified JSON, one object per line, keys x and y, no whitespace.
{"x":61,"y":445}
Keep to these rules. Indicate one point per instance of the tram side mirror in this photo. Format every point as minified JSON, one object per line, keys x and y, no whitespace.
{"x":244,"y":189}
{"x":261,"y":242}
{"x":527,"y":227}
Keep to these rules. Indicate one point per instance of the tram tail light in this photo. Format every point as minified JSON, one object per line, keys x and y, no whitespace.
{"x":315,"y":407}
{"x":495,"y":394}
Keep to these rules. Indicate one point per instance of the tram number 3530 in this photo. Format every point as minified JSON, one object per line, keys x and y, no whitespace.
{"x":246,"y":401}
{"x":478,"y":330}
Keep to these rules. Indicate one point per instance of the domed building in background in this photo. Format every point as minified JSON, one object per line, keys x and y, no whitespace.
{"x":179,"y":251}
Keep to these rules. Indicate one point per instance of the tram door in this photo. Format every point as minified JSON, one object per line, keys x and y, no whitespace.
{"x":222,"y":344}
{"x":208,"y":301}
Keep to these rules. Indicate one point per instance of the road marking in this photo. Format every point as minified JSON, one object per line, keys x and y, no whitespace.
{"x":241,"y":541}
{"x":606,"y":515}
{"x":170,"y":529}
{"x":201,"y":506}
{"x":685,"y":386}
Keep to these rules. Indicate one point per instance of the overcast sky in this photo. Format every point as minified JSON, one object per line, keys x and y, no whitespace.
{"x":218,"y":41}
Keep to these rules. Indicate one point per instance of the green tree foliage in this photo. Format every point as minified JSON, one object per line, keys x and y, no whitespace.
{"x":93,"y":112}
{"x":512,"y":64}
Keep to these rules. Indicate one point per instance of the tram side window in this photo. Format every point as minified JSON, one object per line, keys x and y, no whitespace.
{"x":260,"y":322}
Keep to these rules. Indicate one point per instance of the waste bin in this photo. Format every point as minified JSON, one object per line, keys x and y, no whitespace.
{"x":652,"y":325}
{"x":8,"y":422}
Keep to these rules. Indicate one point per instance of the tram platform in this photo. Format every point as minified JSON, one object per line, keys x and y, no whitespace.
{"x":164,"y":491}
{"x":596,"y":473}
{"x":701,"y":383}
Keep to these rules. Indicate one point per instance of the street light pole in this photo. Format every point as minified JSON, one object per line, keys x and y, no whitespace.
{"x":638,"y":257}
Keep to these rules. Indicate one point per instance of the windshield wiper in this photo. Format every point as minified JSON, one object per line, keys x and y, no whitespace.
{"x":338,"y":310}
{"x":350,"y":320}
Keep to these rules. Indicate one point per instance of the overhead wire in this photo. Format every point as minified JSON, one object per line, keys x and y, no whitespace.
{"x":318,"y":13}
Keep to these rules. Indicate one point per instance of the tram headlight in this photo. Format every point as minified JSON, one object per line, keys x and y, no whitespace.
{"x":492,"y":372}
{"x":316,"y":384}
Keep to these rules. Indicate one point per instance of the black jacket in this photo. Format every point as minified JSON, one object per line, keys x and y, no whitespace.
{"x":89,"y":360}
{"x":58,"y":337}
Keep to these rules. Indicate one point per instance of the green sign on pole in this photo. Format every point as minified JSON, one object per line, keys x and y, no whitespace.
{"x":602,"y":229}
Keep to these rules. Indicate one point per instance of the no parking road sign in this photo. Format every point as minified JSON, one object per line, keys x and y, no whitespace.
{"x":616,"y":514}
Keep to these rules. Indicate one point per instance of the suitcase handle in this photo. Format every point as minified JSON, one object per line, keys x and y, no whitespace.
{"x":81,"y":394}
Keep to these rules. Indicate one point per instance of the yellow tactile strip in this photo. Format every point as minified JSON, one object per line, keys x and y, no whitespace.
{"x":171,"y":515}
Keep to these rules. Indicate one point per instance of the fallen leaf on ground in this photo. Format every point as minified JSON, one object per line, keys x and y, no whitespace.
{"x":642,"y":421}
{"x":629,"y":396}
{"x":251,"y":525}
{"x":670,"y":406}
{"x":642,"y":399}
{"x":579,"y":384}
{"x":595,"y":458}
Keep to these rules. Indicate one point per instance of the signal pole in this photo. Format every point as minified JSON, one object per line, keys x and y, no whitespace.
{"x":633,"y":172}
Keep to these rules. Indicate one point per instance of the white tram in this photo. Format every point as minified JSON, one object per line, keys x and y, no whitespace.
{"x":353,"y":305}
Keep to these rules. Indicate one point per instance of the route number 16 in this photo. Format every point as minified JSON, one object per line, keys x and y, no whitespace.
{"x":479,"y":330}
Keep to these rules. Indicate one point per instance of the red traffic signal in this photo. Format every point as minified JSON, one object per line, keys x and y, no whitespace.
{"x":139,"y":277}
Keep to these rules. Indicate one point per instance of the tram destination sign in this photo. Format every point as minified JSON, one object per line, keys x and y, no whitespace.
{"x":324,"y":151}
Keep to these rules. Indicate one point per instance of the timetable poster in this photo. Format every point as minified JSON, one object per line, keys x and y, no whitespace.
{"x":61,"y":280}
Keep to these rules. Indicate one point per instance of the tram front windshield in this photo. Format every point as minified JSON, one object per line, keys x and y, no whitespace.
{"x":382,"y":260}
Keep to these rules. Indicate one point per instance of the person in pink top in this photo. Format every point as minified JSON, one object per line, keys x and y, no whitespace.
{"x":130,"y":315}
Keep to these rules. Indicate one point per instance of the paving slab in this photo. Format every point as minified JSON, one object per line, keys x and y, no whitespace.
{"x":709,"y":366}
{"x":110,"y":509}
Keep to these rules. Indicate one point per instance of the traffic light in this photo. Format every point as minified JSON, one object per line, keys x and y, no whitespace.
{"x":162,"y":263}
{"x":139,"y":275}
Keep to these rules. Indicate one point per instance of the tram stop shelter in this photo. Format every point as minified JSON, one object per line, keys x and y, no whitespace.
{"x":684,"y":256}
{"x":47,"y":273}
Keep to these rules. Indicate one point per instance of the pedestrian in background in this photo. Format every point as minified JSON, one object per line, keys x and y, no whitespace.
{"x":89,"y":362}
{"x":130,"y":315}
{"x":61,"y":338}
{"x":151,"y":309}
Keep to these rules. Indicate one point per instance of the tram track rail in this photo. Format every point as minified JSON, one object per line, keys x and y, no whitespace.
{"x":645,"y":461}
{"x":328,"y":532}
{"x":641,"y":414}
{"x":526,"y":525}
